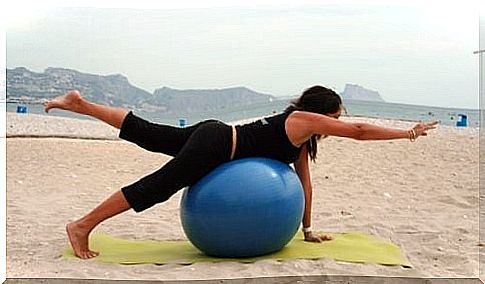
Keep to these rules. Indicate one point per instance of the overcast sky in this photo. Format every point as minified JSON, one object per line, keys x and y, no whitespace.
{"x":409,"y":54}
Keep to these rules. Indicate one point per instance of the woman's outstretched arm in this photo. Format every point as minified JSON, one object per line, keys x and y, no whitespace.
{"x":325,"y":125}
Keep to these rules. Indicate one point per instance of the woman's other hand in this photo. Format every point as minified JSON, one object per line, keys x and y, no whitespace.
{"x":316,"y":238}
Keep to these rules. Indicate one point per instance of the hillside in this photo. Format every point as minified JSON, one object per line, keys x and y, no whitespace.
{"x":27,"y":86}
{"x":24,"y":85}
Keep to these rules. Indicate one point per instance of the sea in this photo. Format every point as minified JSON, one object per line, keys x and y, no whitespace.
{"x":446,"y":116}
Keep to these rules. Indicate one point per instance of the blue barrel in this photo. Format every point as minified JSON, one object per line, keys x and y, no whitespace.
{"x":182,"y":122}
{"x":462,"y":120}
{"x":21,"y":109}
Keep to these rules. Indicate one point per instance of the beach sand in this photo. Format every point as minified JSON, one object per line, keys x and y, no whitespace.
{"x":422,"y":196}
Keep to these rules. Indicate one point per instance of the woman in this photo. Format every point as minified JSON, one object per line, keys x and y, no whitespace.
{"x":290,"y":137}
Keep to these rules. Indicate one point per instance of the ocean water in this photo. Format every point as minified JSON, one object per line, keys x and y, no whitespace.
{"x":446,"y":116}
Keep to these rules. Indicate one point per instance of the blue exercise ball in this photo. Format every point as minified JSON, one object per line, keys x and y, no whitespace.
{"x":243,"y":208}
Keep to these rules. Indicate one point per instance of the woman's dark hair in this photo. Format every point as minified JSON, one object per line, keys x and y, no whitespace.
{"x":320,"y":100}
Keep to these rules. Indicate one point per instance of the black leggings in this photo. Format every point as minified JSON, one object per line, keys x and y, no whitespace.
{"x":197,"y":150}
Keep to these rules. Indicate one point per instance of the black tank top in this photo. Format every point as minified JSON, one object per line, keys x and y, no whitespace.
{"x":267,"y":138}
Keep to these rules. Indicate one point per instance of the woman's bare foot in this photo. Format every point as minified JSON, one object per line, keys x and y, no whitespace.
{"x":71,"y":101}
{"x":78,"y":237}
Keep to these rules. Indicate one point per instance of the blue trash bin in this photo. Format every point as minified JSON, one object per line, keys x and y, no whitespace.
{"x":21,"y":109}
{"x":462,"y":120}
{"x":182,"y":122}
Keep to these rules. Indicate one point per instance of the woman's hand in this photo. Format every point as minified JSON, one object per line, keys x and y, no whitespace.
{"x":421,"y":129}
{"x":316,"y":238}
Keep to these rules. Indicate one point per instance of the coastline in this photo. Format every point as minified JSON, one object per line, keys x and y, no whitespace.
{"x":45,"y":126}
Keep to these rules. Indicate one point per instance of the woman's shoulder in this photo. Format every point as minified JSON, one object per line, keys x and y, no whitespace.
{"x":304,"y":120}
{"x":303,"y":115}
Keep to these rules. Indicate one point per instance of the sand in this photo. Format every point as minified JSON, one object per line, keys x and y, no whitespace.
{"x":422,"y":196}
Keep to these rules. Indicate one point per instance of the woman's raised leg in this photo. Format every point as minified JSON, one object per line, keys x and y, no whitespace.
{"x":73,"y":101}
{"x":150,"y":136}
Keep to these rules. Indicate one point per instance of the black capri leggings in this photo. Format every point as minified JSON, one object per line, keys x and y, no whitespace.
{"x":197,"y":150}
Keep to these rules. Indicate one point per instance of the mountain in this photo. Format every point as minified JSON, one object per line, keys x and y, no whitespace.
{"x":24,"y":85}
{"x":359,"y":93}
{"x":27,"y":86}
{"x":114,"y":90}
{"x":206,"y":101}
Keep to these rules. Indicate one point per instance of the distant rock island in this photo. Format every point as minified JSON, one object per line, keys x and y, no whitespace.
{"x":359,"y":93}
{"x":26,"y":86}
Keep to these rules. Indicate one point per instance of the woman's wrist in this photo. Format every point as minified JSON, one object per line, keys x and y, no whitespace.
{"x":412,"y":135}
{"x":307,"y":229}
{"x":307,"y":232}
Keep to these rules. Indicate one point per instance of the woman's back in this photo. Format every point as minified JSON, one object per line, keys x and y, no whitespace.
{"x":266,"y":137}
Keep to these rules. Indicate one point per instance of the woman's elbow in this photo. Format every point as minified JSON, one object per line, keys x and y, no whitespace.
{"x":358,"y":132}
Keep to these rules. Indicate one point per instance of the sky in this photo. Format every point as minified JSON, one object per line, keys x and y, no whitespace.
{"x":411,"y":54}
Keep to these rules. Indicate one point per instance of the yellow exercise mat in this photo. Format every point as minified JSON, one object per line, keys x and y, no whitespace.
{"x":349,"y":247}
